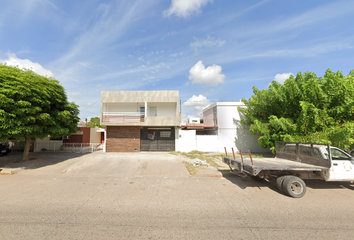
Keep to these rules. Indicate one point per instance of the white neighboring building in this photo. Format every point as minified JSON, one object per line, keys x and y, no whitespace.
{"x":230,"y":133}
{"x":193,"y":120}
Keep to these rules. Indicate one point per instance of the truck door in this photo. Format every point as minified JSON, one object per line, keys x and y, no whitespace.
{"x":342,"y":166}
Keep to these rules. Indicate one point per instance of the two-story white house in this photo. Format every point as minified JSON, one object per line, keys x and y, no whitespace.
{"x":140,"y":120}
{"x":225,"y":117}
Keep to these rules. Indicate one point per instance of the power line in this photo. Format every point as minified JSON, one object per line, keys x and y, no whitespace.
{"x":91,"y":105}
{"x":91,"y":112}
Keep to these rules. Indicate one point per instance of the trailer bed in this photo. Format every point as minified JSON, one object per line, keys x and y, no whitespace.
{"x":283,"y":164}
{"x":274,"y":164}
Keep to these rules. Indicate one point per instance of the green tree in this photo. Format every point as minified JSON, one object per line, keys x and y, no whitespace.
{"x":94,"y":122}
{"x":306,"y":108}
{"x":33,"y":106}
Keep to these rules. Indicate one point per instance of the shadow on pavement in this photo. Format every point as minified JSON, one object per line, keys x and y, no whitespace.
{"x":248,"y":182}
{"x":320,"y":184}
{"x":37,"y":159}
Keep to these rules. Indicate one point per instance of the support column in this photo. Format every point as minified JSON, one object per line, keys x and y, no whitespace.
{"x":104,"y":139}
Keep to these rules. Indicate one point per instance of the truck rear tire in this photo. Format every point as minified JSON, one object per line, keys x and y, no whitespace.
{"x":279,"y":183}
{"x":293,"y":186}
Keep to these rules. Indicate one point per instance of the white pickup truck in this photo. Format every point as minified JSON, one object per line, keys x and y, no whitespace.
{"x":294,"y":162}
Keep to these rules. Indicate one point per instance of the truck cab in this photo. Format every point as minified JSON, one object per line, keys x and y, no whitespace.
{"x":342,"y":166}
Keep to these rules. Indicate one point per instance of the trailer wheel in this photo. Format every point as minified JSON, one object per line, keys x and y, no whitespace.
{"x":279,"y":183}
{"x":293,"y":186}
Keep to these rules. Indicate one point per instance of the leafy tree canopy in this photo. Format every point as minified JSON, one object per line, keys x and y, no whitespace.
{"x":33,"y":106}
{"x":306,"y":108}
{"x":94,"y":122}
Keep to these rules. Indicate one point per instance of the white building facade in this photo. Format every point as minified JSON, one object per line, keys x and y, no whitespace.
{"x":140,"y":120}
{"x":231,"y":134}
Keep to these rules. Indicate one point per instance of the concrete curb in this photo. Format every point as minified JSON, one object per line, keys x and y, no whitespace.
{"x":9,"y":171}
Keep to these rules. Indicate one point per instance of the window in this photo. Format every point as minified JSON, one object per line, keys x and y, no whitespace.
{"x":215,"y":116}
{"x":338,"y":155}
{"x":165,"y":134}
{"x":290,"y":149}
{"x":142,"y":114}
{"x":303,"y":150}
{"x":306,"y":151}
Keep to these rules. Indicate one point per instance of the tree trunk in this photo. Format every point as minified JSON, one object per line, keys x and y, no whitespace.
{"x":27,"y":148}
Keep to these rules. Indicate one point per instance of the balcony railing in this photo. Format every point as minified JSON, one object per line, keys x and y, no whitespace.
{"x":123,"y":117}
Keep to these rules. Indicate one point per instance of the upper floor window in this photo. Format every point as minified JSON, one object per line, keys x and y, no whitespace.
{"x":215,"y":116}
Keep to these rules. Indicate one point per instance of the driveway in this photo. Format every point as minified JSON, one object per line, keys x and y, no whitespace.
{"x":152,"y":196}
{"x":97,"y":164}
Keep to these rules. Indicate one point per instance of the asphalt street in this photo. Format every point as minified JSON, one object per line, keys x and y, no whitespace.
{"x":153,"y":196}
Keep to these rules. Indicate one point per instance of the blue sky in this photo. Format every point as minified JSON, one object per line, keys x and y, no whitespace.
{"x":208,"y":50}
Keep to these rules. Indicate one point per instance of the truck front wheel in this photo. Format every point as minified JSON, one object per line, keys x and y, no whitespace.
{"x":293,"y":186}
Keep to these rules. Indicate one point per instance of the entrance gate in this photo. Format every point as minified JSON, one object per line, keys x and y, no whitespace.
{"x":157,"y":139}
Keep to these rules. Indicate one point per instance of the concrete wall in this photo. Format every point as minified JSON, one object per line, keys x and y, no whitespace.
{"x":123,"y":139}
{"x":46,"y":143}
{"x":207,"y":143}
{"x":164,"y":109}
{"x":161,"y":121}
{"x":186,"y":140}
{"x":95,"y":137}
{"x":227,"y":139}
{"x":123,"y":107}
{"x":139,"y":96}
{"x":245,"y":141}
{"x":226,"y":116}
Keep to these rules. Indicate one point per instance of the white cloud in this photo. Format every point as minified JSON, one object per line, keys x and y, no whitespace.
{"x":211,"y":75}
{"x":13,"y":60}
{"x":281,"y":77}
{"x":197,"y":103}
{"x":184,"y":8}
{"x":209,"y":42}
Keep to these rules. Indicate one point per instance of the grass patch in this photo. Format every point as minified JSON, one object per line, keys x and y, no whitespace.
{"x":191,"y":169}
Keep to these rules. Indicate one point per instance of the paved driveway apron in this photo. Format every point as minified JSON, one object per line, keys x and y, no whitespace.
{"x":152,"y":196}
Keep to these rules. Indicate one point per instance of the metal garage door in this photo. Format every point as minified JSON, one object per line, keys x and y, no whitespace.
{"x":157,"y":139}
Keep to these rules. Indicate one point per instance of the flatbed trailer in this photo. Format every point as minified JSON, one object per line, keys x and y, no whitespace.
{"x":293,"y":163}
{"x":270,"y":164}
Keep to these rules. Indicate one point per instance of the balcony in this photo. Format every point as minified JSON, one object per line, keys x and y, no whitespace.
{"x":138,"y":119}
{"x":123,"y":117}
